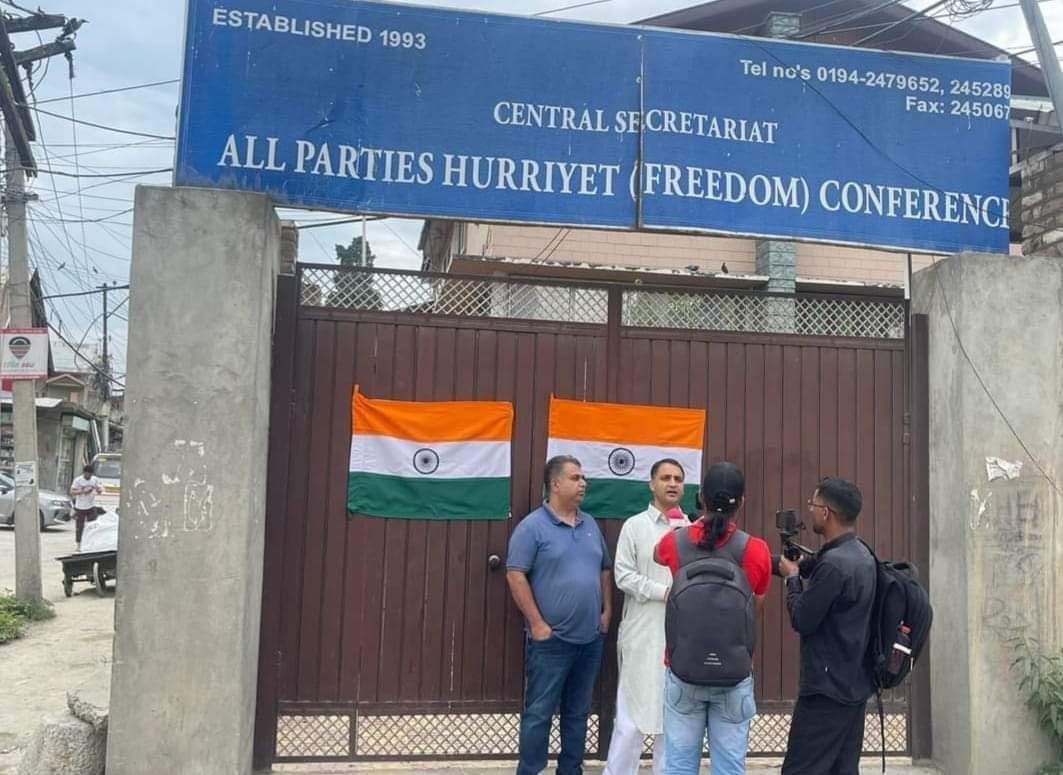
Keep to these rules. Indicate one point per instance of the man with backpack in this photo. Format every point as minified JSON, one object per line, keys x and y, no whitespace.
{"x":832,"y":612}
{"x":720,"y":576}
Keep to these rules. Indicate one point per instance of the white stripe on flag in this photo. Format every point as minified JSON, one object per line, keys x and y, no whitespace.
{"x":389,"y":456}
{"x":603,"y":460}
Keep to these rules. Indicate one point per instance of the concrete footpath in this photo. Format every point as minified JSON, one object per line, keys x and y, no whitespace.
{"x":894,"y":766}
{"x":71,"y":652}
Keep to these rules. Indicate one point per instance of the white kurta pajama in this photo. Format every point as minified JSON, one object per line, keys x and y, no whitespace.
{"x":640,"y":645}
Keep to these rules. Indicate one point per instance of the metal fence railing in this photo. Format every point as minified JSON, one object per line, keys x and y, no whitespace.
{"x":572,"y":302}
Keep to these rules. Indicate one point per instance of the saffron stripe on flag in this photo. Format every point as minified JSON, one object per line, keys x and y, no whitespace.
{"x":431,"y":421}
{"x":653,"y":426}
{"x":400,"y":497}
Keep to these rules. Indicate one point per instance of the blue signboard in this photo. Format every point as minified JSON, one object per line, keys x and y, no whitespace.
{"x":404,"y":110}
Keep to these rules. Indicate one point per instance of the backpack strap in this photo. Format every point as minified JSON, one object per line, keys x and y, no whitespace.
{"x":687,"y":550}
{"x":734,"y":550}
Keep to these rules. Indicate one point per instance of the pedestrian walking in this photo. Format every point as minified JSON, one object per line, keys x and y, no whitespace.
{"x":84,"y":490}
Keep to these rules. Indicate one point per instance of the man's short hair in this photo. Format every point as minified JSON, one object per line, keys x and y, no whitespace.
{"x":88,"y":469}
{"x":667,"y":461}
{"x":842,"y":497}
{"x":555,"y":466}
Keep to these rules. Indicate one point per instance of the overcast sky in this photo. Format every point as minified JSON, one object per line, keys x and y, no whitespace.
{"x":132,"y":42}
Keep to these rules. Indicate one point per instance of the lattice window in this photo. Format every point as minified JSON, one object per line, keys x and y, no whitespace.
{"x":316,"y":736}
{"x":469,"y":297}
{"x":571,"y":303}
{"x":496,"y":735}
{"x":486,"y":735}
{"x":751,"y":313}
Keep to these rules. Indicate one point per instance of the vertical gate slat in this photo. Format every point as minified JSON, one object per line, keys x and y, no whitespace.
{"x":434,"y":656}
{"x":527,"y":491}
{"x":396,"y":531}
{"x":865,"y":441}
{"x":828,"y":412}
{"x":475,"y":572}
{"x":757,"y":515}
{"x":374,"y":372}
{"x":316,"y":512}
{"x":360,"y":342}
{"x":883,"y":453}
{"x":715,"y":387}
{"x":453,"y":549}
{"x":658,"y":368}
{"x":295,"y":535}
{"x":775,"y":619}
{"x":492,"y":384}
{"x":811,"y":432}
{"x":735,"y":398}
{"x":847,"y":414}
{"x":794,"y":491}
{"x":412,"y":602}
{"x":333,"y":604}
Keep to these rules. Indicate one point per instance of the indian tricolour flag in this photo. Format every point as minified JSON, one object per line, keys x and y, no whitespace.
{"x":430,"y":459}
{"x":618,"y":445}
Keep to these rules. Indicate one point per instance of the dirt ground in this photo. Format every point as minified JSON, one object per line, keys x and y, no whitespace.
{"x":71,"y":652}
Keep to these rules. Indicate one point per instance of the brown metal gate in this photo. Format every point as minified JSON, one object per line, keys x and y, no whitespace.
{"x":393,"y":639}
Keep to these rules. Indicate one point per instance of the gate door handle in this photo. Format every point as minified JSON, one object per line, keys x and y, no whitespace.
{"x":494,"y":562}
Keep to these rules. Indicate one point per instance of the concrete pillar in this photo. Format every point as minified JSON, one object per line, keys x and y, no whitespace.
{"x":190,"y":543}
{"x":996,"y":534}
{"x":1042,"y":203}
{"x":289,"y":247}
{"x":777,"y":260}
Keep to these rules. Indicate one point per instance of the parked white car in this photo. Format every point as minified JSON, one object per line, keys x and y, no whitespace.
{"x":52,"y":507}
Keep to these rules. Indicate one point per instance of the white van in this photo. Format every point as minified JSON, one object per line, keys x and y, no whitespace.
{"x":108,"y":466}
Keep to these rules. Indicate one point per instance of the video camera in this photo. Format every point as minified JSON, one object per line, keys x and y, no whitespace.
{"x":789,"y":525}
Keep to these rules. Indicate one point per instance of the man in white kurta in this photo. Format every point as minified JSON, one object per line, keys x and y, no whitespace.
{"x":640,"y":645}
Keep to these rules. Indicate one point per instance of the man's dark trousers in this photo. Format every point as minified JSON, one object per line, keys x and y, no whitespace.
{"x":826,"y":737}
{"x":558,"y":674}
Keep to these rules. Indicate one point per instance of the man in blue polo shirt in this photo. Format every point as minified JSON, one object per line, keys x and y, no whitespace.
{"x":559,"y":573}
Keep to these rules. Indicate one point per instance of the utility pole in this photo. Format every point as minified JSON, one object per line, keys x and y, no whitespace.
{"x":1046,"y":53}
{"x":18,"y":158}
{"x":27,"y":524}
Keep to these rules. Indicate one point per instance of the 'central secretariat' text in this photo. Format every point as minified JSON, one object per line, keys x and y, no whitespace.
{"x":681,"y":122}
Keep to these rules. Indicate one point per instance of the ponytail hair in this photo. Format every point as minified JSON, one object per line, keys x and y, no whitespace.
{"x":722,"y":490}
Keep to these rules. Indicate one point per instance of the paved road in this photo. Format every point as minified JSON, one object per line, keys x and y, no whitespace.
{"x":69,"y":653}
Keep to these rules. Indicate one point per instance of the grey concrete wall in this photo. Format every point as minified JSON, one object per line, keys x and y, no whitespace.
{"x":191,"y":536}
{"x":995,"y":542}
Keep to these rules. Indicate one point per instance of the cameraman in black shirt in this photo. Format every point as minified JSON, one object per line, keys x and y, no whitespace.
{"x":831,"y":610}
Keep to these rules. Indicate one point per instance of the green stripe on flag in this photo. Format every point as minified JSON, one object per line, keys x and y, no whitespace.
{"x":623,"y":498}
{"x":398,"y":497}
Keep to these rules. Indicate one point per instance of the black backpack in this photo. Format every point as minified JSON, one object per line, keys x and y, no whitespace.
{"x":709,"y":621}
{"x":899,"y":600}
